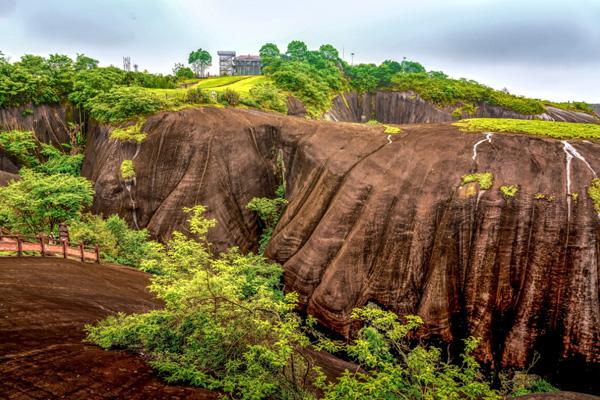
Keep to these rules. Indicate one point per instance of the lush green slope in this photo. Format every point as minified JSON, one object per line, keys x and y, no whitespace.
{"x":556,"y":130}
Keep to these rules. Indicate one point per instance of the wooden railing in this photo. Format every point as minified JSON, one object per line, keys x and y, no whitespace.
{"x":19,"y":244}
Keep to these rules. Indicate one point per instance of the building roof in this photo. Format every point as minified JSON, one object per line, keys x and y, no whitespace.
{"x":248,"y":58}
{"x":226,"y":53}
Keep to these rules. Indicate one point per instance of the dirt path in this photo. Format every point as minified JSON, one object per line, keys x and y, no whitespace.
{"x":44,"y":304}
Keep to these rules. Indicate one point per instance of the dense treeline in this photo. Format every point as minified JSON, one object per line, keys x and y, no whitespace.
{"x":315,"y":76}
{"x":39,"y":80}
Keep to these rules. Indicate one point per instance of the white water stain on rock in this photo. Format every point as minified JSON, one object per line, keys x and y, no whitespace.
{"x":488,"y":138}
{"x":571,"y":152}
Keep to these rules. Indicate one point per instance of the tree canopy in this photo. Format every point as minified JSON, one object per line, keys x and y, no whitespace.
{"x":200,"y":60}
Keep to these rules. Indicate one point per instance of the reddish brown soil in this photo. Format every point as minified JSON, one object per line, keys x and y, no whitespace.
{"x":44,"y":304}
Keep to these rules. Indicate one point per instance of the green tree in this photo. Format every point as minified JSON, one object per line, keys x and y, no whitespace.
{"x":269,"y":211}
{"x":38,"y":202}
{"x":269,"y":55}
{"x":329,"y":52}
{"x":84,"y":62}
{"x":200,"y":60}
{"x":182,"y":72}
{"x":296,"y":50}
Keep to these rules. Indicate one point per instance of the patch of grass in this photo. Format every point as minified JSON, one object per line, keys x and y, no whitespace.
{"x":509,"y":191}
{"x":574,"y":197}
{"x":391,"y":130}
{"x":556,"y":130}
{"x":127,"y":170}
{"x":539,"y":196}
{"x":594,"y":193}
{"x":484,"y":179}
{"x":132,"y":133}
{"x":372,"y":122}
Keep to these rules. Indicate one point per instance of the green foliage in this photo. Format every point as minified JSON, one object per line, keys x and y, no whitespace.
{"x":226,"y":324}
{"x":200,"y":60}
{"x":230,"y":97}
{"x":484,"y":179}
{"x":391,"y":130}
{"x":90,"y":82}
{"x":131,"y":133}
{"x":184,"y":73}
{"x":444,"y":91}
{"x":268,"y":97}
{"x":123,"y":103}
{"x":556,"y":130}
{"x":314,"y":77}
{"x":127,"y":170}
{"x":20,"y":145}
{"x":395,"y":370}
{"x":198,"y":96}
{"x":269,"y":211}
{"x":594,"y":193}
{"x":38,"y":202}
{"x":23,"y":147}
{"x":509,"y":191}
{"x":522,"y":383}
{"x":117,"y":242}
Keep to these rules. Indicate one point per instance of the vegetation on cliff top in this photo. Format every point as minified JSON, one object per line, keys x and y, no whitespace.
{"x":556,"y":130}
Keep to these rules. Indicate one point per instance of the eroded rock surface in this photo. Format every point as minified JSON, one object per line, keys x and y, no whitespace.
{"x":408,"y":107}
{"x":384,"y":219}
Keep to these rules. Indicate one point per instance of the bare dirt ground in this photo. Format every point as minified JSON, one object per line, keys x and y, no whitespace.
{"x":44,"y":305}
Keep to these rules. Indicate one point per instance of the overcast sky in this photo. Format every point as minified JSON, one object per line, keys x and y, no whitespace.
{"x":541,"y":48}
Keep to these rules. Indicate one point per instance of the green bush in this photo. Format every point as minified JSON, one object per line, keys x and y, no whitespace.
{"x":21,"y":146}
{"x":118,"y":243}
{"x":131,"y":133}
{"x":230,"y":97}
{"x":267,"y":96}
{"x":198,"y":96}
{"x":269,"y":211}
{"x":484,"y":179}
{"x":509,"y":191}
{"x":127,"y":170}
{"x":594,"y":193}
{"x":38,"y":202}
{"x":123,"y":103}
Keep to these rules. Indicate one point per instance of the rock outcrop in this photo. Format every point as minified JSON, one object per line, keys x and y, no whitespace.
{"x":408,"y":108}
{"x":384,"y":219}
{"x":381,"y":219}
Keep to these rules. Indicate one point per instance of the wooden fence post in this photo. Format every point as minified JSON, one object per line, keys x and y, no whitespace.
{"x":19,"y":246}
{"x":97,"y":251}
{"x":81,"y":252}
{"x":42,"y":246}
{"x":64,"y":246}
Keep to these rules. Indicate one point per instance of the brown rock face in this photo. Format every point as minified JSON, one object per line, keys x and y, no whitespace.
{"x":408,"y":108}
{"x":383,"y":219}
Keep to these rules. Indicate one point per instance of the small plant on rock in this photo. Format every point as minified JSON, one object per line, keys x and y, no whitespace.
{"x":509,"y":191}
{"x":484,"y":179}
{"x":594,"y":193}
{"x":127,"y":170}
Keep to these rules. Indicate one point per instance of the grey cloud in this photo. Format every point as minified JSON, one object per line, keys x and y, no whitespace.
{"x":7,"y":7}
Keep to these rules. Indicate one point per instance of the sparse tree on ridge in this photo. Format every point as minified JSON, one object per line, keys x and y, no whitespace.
{"x":200,"y":60}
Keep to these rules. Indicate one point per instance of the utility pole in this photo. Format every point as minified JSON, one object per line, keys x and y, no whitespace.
{"x":352,"y":55}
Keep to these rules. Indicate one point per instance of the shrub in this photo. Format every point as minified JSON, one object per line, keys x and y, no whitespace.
{"x":594,"y":193}
{"x":372,"y":122}
{"x":509,"y":191}
{"x":269,"y":211}
{"x":21,"y":145}
{"x":230,"y":97}
{"x":127,"y":170}
{"x":484,"y":179}
{"x":268,"y":97}
{"x":132,"y":133}
{"x":198,"y":96}
{"x":226,"y":324}
{"x":38,"y":203}
{"x":391,"y":130}
{"x":123,"y":103}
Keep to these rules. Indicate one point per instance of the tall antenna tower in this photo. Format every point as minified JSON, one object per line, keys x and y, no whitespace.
{"x":127,"y":63}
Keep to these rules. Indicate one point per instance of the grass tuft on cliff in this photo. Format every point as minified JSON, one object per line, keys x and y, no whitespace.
{"x":484,"y":179}
{"x":555,"y":130}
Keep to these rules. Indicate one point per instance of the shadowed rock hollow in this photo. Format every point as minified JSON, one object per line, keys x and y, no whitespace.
{"x":381,"y":219}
